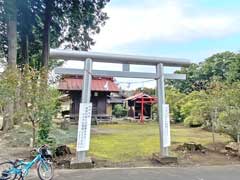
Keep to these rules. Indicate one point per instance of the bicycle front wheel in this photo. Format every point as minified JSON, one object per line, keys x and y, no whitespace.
{"x":7,"y":171}
{"x":45,"y":170}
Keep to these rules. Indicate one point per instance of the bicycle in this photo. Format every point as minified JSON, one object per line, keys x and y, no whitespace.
{"x":11,"y":170}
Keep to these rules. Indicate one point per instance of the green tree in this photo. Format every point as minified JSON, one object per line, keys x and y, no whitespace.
{"x":27,"y":23}
{"x":8,"y":84}
{"x":40,"y":24}
{"x":224,"y":66}
{"x":3,"y":30}
{"x":194,"y":108}
{"x":119,"y":111}
{"x":229,"y":121}
{"x":71,"y":21}
{"x":149,"y":91}
{"x":10,"y":18}
{"x":39,"y":101}
{"x":174,"y":98}
{"x":52,"y":23}
{"x":221,"y":99}
{"x":233,"y":74}
{"x":194,"y":81}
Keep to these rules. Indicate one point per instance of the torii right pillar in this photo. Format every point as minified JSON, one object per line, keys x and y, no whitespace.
{"x":161,"y":103}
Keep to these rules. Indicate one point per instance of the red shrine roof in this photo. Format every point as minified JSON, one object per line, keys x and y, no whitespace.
{"x":139,"y":95}
{"x":105,"y":84}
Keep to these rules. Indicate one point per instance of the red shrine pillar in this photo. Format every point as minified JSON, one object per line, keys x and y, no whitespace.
{"x":142,"y":110}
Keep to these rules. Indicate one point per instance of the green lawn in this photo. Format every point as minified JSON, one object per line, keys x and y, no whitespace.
{"x":130,"y":141}
{"x":120,"y":142}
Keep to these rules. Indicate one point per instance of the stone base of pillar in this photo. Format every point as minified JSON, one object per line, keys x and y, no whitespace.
{"x":164,"y":159}
{"x":86,"y":164}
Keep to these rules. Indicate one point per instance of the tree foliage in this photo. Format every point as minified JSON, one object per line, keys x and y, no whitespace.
{"x":38,"y":101}
{"x":228,"y":115}
{"x":119,"y":111}
{"x":174,"y":99}
{"x":194,"y":109}
{"x":222,"y":100}
{"x":3,"y":30}
{"x":84,"y":20}
{"x":223,"y":66}
{"x":146,"y":90}
{"x":42,"y":24}
{"x":212,"y":93}
{"x":8,"y":84}
{"x":28,"y":28}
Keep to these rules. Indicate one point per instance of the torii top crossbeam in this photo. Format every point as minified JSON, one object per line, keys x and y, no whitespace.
{"x":117,"y":58}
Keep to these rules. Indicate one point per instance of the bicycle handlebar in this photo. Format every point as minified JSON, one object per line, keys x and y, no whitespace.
{"x":37,"y":149}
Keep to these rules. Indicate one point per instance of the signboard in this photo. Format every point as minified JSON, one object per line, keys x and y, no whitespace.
{"x":166,"y":126}
{"x":84,"y":126}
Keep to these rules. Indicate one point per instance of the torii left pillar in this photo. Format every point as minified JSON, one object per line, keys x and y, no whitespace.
{"x":86,"y":95}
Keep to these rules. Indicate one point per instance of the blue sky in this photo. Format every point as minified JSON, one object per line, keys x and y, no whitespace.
{"x":193,"y":29}
{"x":219,"y":18}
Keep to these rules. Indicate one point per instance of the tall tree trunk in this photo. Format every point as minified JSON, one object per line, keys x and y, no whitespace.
{"x":8,"y":121}
{"x":33,"y":133}
{"x":46,"y":32}
{"x":25,"y":47}
{"x":20,"y":103}
{"x":12,"y":42}
{"x":12,"y":56}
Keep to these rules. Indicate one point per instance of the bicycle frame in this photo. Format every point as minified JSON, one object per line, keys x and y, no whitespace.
{"x":27,"y":166}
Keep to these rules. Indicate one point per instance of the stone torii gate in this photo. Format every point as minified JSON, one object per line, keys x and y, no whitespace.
{"x":125,"y":60}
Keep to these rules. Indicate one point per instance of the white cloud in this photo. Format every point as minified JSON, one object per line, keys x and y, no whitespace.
{"x":177,"y":21}
{"x":164,"y":21}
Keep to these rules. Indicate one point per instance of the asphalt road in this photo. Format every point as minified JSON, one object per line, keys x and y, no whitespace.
{"x":189,"y":173}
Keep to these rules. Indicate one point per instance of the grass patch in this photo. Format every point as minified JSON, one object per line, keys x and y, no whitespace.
{"x":121,"y":142}
{"x":130,"y":141}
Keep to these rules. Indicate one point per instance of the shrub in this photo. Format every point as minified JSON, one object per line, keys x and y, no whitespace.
{"x":194,"y":108}
{"x":35,"y":100}
{"x":119,"y":111}
{"x":229,"y":113}
{"x":174,"y":98}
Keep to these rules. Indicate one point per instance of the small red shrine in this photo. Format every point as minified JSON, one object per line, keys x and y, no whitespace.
{"x":140,"y":106}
